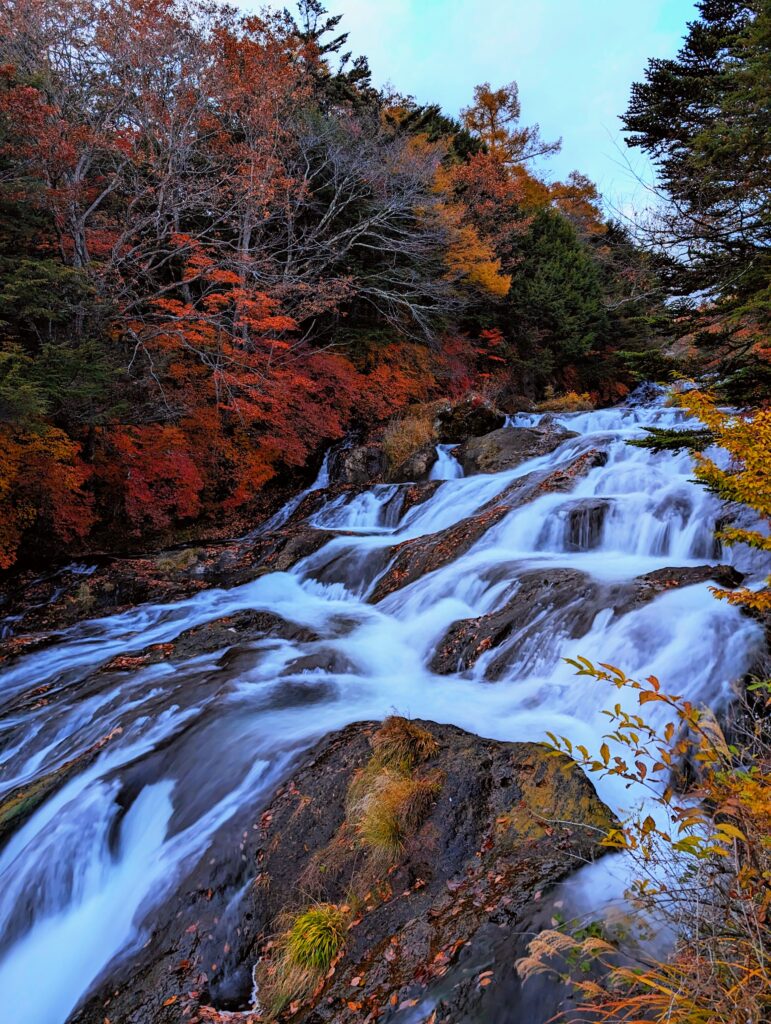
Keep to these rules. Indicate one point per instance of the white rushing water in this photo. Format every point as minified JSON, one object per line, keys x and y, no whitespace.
{"x":193,"y":741}
{"x":446,"y":466}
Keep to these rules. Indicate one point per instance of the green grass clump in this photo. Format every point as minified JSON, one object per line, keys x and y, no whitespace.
{"x":304,"y":954}
{"x":316,"y":937}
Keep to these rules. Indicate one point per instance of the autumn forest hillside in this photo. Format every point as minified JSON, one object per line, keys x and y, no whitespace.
{"x":222,"y":248}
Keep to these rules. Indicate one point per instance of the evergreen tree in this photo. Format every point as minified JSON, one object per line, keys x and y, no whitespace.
{"x":705,"y":119}
{"x":556,"y":306}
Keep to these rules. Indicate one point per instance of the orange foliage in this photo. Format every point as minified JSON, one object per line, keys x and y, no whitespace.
{"x":41,"y":485}
{"x":161,"y":481}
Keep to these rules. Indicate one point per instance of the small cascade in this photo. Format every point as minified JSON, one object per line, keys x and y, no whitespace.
{"x":287,"y":511}
{"x":446,"y":466}
{"x":372,"y":510}
{"x":575,"y":526}
{"x":137,"y":768}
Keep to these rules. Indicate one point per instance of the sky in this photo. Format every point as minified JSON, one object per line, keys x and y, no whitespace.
{"x":574,"y":61}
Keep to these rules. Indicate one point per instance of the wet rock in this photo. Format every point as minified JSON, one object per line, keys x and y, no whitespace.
{"x":71,"y":594}
{"x":582,"y":523}
{"x":563,"y":480}
{"x":421,"y":555}
{"x":456,"y":422}
{"x":362,"y":465}
{"x":19,"y":804}
{"x":328,"y":659}
{"x":417,"y":493}
{"x":644,"y":394}
{"x":416,"y":467}
{"x":495,"y":835}
{"x":217,"y":635}
{"x":573,"y":595}
{"x":646,"y":588}
{"x":509,"y":447}
{"x":55,"y":601}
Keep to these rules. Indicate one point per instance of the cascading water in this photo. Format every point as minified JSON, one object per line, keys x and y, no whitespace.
{"x":446,"y":466}
{"x":165,"y":754}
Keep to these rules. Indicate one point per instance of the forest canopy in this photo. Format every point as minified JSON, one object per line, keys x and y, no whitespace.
{"x":222,"y":247}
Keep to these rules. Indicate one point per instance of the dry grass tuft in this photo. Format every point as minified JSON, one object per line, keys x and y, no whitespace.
{"x":392,"y":810}
{"x":403,"y":437}
{"x":386,"y":801}
{"x":400,"y":743}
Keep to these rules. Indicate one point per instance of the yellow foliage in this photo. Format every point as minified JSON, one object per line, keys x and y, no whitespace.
{"x":571,"y":402}
{"x":468,"y":256}
{"x":746,"y":437}
{"x":704,"y":865}
{"x":473,"y":260}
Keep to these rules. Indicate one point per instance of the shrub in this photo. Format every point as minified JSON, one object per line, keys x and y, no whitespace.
{"x":571,"y":402}
{"x":403,"y":437}
{"x":702,"y":867}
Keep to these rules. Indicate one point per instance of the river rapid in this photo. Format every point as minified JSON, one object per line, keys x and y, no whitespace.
{"x":192,"y":742}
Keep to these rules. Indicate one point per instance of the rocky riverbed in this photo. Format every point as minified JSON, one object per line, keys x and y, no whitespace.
{"x":193,"y":741}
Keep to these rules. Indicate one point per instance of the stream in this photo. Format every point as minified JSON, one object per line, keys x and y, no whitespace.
{"x":192,"y":742}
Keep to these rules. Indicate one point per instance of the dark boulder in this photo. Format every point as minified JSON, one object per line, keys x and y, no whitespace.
{"x":416,"y":467}
{"x":456,"y":422}
{"x":646,"y":588}
{"x":571,"y":596}
{"x":509,"y":447}
{"x":362,"y":465}
{"x":504,"y":821}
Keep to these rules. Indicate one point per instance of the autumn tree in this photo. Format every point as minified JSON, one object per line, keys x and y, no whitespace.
{"x":494,"y":118}
{"x":204,"y":282}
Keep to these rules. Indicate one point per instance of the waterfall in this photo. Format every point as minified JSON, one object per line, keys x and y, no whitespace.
{"x":446,"y":466}
{"x":156,"y":758}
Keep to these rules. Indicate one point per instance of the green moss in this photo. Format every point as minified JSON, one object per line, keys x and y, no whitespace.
{"x":550,"y":797}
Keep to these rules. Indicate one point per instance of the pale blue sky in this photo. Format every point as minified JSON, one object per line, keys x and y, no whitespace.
{"x":574,"y":61}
